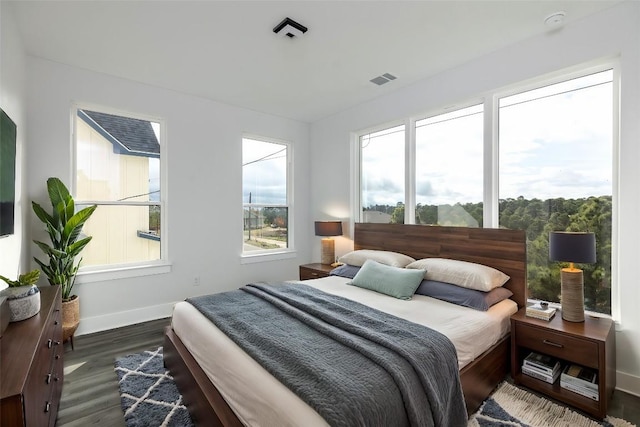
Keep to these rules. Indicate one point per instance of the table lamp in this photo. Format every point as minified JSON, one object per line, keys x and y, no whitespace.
{"x":328,"y":229}
{"x":571,"y":247}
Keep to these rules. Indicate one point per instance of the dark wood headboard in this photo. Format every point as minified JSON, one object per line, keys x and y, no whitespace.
{"x":502,"y":249}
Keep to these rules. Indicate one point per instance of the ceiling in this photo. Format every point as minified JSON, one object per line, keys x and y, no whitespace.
{"x":227,"y":51}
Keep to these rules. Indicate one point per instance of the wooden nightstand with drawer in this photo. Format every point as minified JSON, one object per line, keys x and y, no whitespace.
{"x":314,"y":271}
{"x":590,"y":343}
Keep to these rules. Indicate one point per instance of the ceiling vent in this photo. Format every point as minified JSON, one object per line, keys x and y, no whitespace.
{"x":290,"y":28}
{"x":385,"y":78}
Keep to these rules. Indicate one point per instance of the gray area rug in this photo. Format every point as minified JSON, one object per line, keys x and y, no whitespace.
{"x":150,"y":398}
{"x":148,"y":395}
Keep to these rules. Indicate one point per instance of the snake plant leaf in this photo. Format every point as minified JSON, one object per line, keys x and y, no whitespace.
{"x":48,"y":250}
{"x":75,"y":248}
{"x":60,"y":213}
{"x":58,"y":192}
{"x":42,"y":214}
{"x":54,"y":235}
{"x":70,"y":209}
{"x":73,"y":227}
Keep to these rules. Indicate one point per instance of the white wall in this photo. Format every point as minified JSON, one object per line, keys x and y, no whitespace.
{"x":204,"y":209}
{"x":614,"y":32}
{"x":13,"y":257}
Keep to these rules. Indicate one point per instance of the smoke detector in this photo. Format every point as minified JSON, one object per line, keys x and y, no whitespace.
{"x":555,"y":20}
{"x":290,"y":28}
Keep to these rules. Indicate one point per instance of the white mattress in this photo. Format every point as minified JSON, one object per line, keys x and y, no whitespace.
{"x":258,"y":399}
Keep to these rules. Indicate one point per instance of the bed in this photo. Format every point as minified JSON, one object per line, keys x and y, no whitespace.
{"x":497,"y":248}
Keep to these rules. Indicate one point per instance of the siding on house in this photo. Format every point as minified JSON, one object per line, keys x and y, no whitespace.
{"x":115,"y":228}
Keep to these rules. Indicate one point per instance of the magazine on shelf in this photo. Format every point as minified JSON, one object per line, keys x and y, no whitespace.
{"x":591,"y":394}
{"x":540,"y":375}
{"x":542,"y":362}
{"x":555,"y":371}
{"x":580,"y":376}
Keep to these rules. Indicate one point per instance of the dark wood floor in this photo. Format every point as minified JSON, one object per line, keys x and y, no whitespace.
{"x":90,"y":393}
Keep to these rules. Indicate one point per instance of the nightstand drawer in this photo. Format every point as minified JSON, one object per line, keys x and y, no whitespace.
{"x":308,"y":273}
{"x":575,"y":350}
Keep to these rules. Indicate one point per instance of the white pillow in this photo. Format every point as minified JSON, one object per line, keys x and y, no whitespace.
{"x":393,"y":259}
{"x":466,"y":274}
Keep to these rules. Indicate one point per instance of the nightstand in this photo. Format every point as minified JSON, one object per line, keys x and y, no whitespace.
{"x":314,"y":271}
{"x":590,"y":343}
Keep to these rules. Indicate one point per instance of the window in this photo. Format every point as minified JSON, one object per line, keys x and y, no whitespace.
{"x":265,"y":196}
{"x":551,"y":169}
{"x":382,"y":176}
{"x":556,"y":174}
{"x":449,"y":151}
{"x":118,"y":169}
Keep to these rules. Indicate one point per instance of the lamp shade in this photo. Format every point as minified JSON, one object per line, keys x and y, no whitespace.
{"x":328,"y":228}
{"x":572,"y":247}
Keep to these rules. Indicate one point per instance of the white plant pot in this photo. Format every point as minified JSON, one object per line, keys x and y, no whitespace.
{"x":24,"y":302}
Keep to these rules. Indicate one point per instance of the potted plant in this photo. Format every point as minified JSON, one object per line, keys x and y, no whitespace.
{"x":23,"y":296}
{"x":63,"y":226}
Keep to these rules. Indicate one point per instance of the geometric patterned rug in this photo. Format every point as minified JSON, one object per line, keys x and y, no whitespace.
{"x":150,"y":398}
{"x":148,"y":395}
{"x":513,"y":406}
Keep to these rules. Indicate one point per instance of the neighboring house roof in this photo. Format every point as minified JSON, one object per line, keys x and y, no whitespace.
{"x":128,"y":136}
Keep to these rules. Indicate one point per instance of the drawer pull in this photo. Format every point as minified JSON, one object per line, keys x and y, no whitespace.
{"x":57,"y":342}
{"x":552,"y":343}
{"x":47,"y":407}
{"x":48,"y":381}
{"x":49,"y":343}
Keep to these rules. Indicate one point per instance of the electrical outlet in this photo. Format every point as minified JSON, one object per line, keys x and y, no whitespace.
{"x":196,"y":281}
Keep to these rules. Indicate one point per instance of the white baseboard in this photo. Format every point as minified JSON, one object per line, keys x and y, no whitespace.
{"x":89,"y":325}
{"x":628,"y":383}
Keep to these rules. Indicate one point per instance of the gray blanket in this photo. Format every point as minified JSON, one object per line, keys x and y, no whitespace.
{"x":356,"y":366}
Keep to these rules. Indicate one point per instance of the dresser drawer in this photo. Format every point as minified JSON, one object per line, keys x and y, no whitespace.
{"x":565,"y":347}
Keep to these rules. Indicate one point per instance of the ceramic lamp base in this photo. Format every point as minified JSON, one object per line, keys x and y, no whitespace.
{"x":572,"y":300}
{"x":328,"y":251}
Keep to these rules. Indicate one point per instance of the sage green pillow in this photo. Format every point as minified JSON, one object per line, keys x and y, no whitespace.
{"x":393,"y":281}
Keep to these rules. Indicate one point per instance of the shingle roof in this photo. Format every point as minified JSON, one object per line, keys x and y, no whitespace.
{"x":129,"y":136}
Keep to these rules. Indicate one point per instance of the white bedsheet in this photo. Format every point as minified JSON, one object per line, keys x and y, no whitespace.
{"x":258,"y":399}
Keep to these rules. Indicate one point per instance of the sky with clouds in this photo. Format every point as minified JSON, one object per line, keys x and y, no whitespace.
{"x":264,"y":172}
{"x":555,"y":141}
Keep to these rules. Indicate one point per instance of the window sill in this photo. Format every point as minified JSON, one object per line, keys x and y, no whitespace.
{"x":121,"y":272}
{"x":266,"y":256}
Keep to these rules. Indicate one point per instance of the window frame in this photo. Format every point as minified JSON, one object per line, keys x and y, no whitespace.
{"x":358,"y":213}
{"x":413,"y":148}
{"x":559,"y":77}
{"x":98,"y":273}
{"x":264,"y":255}
{"x":491,"y":165}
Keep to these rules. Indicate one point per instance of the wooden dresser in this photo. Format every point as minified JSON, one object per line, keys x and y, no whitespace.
{"x":31,"y":368}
